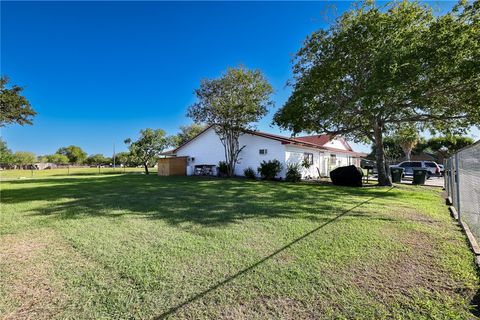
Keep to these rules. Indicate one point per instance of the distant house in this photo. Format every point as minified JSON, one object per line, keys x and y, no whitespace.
{"x":321,"y":152}
{"x":44,"y":165}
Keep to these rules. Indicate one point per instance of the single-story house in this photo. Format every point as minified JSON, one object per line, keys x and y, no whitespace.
{"x":322,"y":152}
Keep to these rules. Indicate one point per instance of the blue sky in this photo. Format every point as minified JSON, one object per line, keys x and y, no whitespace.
{"x":98,"y":72}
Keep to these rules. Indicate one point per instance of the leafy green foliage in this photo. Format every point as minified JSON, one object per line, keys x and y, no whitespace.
{"x":148,"y":147}
{"x":377,"y":68}
{"x":56,"y":158}
{"x":24,"y":158}
{"x":270,"y":169}
{"x":97,"y":160}
{"x":232,"y":103}
{"x":407,"y":138}
{"x":223,"y":169}
{"x":294,"y":172}
{"x":448,"y":145}
{"x":126,"y":159}
{"x":249,"y":173}
{"x":74,"y":154}
{"x":187,"y":133}
{"x":14,"y":107}
{"x":6,"y":156}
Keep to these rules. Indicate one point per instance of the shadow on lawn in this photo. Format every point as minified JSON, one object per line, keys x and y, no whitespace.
{"x":204,"y":201}
{"x":198,"y":296}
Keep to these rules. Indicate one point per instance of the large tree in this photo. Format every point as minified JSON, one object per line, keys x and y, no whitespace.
{"x":187,"y":133}
{"x":74,"y":154}
{"x":378,"y":68}
{"x":148,"y":147}
{"x":232,"y":104}
{"x":14,"y":107}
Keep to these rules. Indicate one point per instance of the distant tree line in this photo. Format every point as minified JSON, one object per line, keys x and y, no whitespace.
{"x":143,"y":152}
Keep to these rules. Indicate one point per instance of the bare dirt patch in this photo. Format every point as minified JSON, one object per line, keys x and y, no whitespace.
{"x":25,"y":265}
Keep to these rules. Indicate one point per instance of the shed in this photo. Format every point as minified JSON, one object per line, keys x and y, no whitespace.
{"x":172,"y":166}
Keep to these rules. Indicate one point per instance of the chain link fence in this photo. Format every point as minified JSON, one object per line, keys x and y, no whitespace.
{"x":462,"y":184}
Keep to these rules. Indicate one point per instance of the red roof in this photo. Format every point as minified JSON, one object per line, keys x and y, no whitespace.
{"x":320,"y":140}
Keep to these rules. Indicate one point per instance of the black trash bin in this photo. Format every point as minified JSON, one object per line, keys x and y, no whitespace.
{"x":397,"y":174}
{"x":419,"y":176}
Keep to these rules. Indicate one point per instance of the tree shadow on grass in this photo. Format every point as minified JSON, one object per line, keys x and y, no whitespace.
{"x":227,"y":280}
{"x":177,"y":200}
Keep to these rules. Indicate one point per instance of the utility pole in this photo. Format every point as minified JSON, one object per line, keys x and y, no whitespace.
{"x":114,"y":156}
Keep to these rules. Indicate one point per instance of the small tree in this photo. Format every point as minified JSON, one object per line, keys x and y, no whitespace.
{"x":232,"y":103}
{"x":187,"y":133}
{"x":148,"y":147}
{"x":97,"y":160}
{"x":407,"y":138}
{"x":58,"y":159}
{"x":14,"y":108}
{"x":74,"y":154}
{"x":24,"y":159}
{"x":7,"y":159}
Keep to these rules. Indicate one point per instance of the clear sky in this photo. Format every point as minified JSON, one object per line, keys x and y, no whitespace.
{"x":98,"y":72}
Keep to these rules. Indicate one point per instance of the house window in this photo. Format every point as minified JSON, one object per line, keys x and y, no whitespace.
{"x":333,"y":159}
{"x":262,"y":151}
{"x":308,"y":158}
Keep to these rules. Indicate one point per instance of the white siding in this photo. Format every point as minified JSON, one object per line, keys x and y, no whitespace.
{"x":335,"y":143}
{"x":295,"y":154}
{"x":207,"y":149}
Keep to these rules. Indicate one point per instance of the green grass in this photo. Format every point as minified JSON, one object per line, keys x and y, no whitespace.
{"x":136,"y":246}
{"x":22,"y":174}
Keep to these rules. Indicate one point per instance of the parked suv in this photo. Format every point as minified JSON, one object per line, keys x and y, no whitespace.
{"x":431,"y":166}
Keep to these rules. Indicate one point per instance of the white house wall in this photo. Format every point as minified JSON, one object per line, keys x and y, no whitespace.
{"x":335,"y":143}
{"x":207,"y":149}
{"x":295,"y":154}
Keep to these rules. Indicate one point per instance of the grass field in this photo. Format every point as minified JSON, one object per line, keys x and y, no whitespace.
{"x":137,"y":246}
{"x":17,"y":174}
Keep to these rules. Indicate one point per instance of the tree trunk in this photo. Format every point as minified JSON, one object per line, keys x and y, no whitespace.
{"x":146,"y":168}
{"x":383,"y":177}
{"x":408,"y":154}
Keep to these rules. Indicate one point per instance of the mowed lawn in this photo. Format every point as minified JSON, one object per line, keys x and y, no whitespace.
{"x":137,"y":246}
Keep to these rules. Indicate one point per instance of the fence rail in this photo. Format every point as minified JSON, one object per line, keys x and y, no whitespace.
{"x":462,"y":184}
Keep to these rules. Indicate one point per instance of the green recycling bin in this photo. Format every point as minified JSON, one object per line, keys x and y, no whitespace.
{"x":419,"y":176}
{"x":397,"y":174}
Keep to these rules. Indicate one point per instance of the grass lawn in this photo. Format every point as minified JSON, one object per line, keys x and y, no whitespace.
{"x":16,"y":174}
{"x":136,"y":246}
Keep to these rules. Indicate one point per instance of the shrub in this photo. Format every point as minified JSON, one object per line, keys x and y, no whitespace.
{"x":223,"y":168}
{"x":269,"y":169}
{"x":294,"y":173}
{"x":249,"y":173}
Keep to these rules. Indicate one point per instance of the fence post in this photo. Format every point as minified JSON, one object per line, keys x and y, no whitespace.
{"x":457,"y":185}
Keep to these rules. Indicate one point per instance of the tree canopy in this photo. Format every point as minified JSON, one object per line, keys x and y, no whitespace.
{"x":14,"y":107}
{"x":74,"y":154}
{"x":407,"y":137}
{"x":97,"y":160}
{"x":187,"y":133}
{"x":232,"y":103}
{"x":380,"y":67}
{"x":24,"y":158}
{"x":6,"y":155}
{"x":148,"y":146}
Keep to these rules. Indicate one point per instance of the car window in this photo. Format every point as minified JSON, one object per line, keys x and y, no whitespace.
{"x":431,"y":164}
{"x":405,"y":164}
{"x":416,"y":164}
